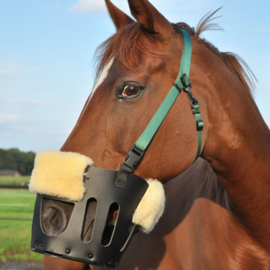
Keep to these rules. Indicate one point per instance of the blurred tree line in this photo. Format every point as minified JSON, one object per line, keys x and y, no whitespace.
{"x":14,"y":159}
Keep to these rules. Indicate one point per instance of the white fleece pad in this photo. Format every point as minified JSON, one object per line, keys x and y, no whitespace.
{"x":55,"y":172}
{"x":151,"y":206}
{"x":61,"y":174}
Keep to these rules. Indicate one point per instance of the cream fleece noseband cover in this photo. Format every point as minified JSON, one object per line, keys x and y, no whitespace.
{"x":61,"y":174}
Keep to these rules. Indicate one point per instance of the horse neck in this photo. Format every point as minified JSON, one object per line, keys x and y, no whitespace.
{"x":238,"y":149}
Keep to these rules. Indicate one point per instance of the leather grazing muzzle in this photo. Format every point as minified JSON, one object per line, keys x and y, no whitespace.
{"x":69,"y":244}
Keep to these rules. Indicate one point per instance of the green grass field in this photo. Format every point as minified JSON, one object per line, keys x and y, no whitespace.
{"x":14,"y":181}
{"x":15,"y":235}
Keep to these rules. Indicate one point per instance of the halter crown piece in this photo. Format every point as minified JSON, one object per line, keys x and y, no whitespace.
{"x":182,"y":82}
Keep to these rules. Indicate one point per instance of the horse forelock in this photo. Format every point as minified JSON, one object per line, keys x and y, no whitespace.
{"x":126,"y":45}
{"x":130,"y":41}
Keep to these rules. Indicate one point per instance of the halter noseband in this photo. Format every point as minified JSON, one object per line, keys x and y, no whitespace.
{"x":182,"y":82}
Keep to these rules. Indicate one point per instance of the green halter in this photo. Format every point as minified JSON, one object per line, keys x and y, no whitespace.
{"x":182,"y":82}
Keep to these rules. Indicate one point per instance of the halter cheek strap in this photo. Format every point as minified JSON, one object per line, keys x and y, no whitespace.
{"x":182,"y":82}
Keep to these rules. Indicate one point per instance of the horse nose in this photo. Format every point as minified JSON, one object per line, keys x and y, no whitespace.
{"x":55,"y":216}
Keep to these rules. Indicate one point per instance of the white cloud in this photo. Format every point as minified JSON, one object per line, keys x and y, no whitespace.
{"x":92,"y":6}
{"x":29,"y":101}
{"x":8,"y":70}
{"x":88,"y":6}
{"x":65,"y":132}
{"x":12,"y":72}
{"x":8,"y":118}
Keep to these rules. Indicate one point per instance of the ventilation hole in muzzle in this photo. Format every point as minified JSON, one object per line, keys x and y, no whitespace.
{"x":89,"y":220}
{"x":110,"y":224}
{"x":55,"y":216}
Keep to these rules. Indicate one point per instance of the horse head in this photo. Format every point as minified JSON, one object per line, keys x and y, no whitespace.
{"x":137,"y":67}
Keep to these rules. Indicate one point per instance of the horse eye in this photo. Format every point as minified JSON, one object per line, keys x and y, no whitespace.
{"x":131,"y":90}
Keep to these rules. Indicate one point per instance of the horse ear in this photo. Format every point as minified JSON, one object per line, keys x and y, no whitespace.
{"x":147,"y":15}
{"x":119,"y":18}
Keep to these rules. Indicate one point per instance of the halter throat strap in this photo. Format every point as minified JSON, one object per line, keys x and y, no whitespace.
{"x":182,"y":82}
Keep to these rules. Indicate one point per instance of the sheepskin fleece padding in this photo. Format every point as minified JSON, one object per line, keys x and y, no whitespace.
{"x":151,"y":206}
{"x":59,"y":174}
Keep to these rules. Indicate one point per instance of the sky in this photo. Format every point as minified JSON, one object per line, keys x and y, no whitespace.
{"x":47,"y":49}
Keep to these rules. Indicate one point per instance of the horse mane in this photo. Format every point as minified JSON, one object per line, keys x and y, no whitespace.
{"x":127,"y":42}
{"x":232,"y":60}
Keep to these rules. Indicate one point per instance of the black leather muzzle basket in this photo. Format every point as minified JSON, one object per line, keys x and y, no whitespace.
{"x":100,"y":185}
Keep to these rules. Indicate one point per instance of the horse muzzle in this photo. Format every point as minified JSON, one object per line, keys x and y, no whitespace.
{"x":65,"y":178}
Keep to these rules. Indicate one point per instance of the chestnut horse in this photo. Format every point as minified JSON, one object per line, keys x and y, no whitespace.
{"x":217,"y":211}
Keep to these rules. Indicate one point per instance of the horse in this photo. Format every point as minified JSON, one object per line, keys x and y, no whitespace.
{"x":216,"y":214}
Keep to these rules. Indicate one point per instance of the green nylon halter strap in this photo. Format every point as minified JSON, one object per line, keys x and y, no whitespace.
{"x":182,"y":82}
{"x":166,"y":105}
